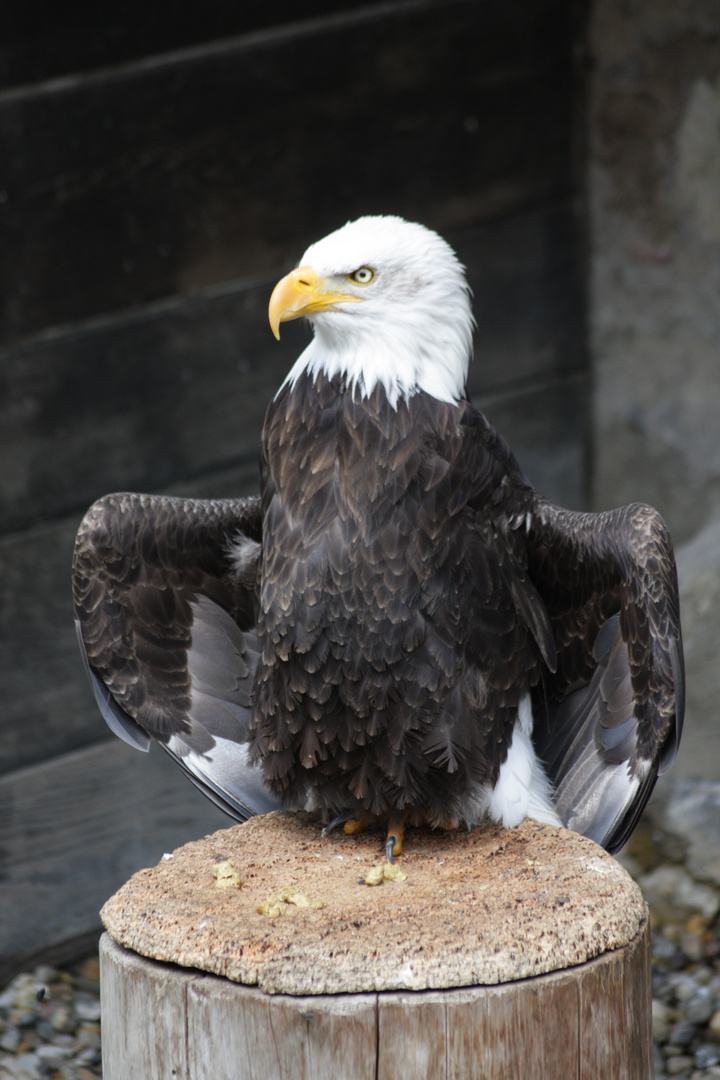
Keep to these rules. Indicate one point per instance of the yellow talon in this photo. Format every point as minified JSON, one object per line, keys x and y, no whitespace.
{"x":352,"y":827}
{"x":395,"y":832}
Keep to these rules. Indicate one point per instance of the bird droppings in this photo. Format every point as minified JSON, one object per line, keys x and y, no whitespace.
{"x":226,"y":874}
{"x":481,"y":916}
{"x":385,"y":872}
{"x":288,"y":895}
{"x":271,"y":908}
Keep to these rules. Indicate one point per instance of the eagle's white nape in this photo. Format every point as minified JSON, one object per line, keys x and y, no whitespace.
{"x":522,"y":789}
{"x":413,"y":329}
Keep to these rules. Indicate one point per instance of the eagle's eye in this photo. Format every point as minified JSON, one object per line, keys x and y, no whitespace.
{"x":363,"y":276}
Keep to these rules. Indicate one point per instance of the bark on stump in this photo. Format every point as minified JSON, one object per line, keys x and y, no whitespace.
{"x":521,"y":953}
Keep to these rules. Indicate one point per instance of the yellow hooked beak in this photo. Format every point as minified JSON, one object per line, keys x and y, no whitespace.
{"x":302,"y":292}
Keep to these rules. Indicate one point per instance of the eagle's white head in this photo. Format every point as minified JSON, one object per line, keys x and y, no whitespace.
{"x":388,"y":302}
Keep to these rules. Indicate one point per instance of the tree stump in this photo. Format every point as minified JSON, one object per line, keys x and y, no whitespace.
{"x":521,"y":953}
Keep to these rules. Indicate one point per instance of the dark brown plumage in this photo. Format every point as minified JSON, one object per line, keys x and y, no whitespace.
{"x":394,"y":659}
{"x":384,"y":629}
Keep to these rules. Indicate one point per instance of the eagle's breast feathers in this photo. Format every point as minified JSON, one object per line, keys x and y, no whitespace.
{"x":385,"y":604}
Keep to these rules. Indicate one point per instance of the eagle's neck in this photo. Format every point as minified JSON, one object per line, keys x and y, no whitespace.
{"x":404,"y":358}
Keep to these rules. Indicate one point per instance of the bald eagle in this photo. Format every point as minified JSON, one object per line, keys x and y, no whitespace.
{"x":399,"y":627}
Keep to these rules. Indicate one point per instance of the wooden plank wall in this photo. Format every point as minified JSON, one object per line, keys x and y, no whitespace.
{"x":157,"y":175}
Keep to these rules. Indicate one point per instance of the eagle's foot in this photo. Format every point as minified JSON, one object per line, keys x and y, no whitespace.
{"x":395,"y":830}
{"x":339,"y":820}
{"x":355,"y":826}
{"x":395,"y":836}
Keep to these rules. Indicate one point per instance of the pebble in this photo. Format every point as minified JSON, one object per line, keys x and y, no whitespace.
{"x":681,"y":1034}
{"x":672,"y":894}
{"x":707,"y":1054}
{"x":683,"y":986}
{"x":676,"y":1065}
{"x":10,"y":1040}
{"x":692,"y":946}
{"x":699,"y":1008}
{"x":661,"y":1015}
{"x":50,"y":1024}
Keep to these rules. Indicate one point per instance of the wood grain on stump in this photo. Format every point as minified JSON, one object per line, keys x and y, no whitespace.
{"x":503,"y":953}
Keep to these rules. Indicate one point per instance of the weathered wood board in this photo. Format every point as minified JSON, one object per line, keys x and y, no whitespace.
{"x":136,"y":183}
{"x":73,"y":829}
{"x":51,"y":38}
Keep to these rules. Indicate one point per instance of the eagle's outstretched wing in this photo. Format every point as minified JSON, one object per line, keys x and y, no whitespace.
{"x":165,"y":619}
{"x":609,"y":719}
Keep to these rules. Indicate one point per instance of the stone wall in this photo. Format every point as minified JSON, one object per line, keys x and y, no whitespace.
{"x":654,"y":190}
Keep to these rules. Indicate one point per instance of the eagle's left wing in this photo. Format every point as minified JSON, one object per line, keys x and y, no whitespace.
{"x":609,"y":719}
{"x":164,"y":593}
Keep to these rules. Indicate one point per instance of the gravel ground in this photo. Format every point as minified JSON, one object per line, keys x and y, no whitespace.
{"x":675,"y":857}
{"x":50,"y":1024}
{"x":50,"y":1019}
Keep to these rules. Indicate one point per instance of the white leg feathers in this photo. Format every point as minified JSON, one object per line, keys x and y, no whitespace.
{"x":522,"y":789}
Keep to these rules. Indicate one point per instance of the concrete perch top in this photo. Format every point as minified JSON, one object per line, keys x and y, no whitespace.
{"x":490,"y":906}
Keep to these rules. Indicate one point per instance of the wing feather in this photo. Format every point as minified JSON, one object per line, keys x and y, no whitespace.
{"x":165,"y":620}
{"x":610,"y":718}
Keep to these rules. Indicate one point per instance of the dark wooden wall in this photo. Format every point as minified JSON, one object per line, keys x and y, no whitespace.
{"x":160,"y":168}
